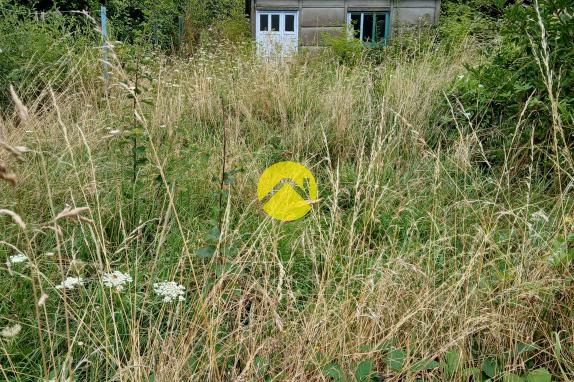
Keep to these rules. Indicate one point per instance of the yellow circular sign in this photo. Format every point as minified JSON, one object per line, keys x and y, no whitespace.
{"x":287,"y":190}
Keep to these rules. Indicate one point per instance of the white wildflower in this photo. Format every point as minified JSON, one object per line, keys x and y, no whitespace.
{"x":169,"y":290}
{"x":71,"y":283}
{"x":540,"y":216}
{"x":481,"y":86}
{"x":11,"y":331}
{"x":460,"y":77}
{"x":116,"y":279}
{"x":20,"y":258}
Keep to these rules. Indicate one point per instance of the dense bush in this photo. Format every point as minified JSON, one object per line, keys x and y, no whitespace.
{"x":215,"y":20}
{"x":35,"y":53}
{"x":39,"y":50}
{"x":156,"y":22}
{"x":515,"y":84}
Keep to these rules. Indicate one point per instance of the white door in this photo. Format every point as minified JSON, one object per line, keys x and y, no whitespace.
{"x":277,"y":33}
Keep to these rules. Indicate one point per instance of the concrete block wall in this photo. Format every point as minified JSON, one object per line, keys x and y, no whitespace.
{"x":317,"y":17}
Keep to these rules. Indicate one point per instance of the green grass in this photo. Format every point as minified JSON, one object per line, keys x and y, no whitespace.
{"x":418,"y":263}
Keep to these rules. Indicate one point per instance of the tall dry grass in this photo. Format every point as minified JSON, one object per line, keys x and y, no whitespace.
{"x":413,"y":246}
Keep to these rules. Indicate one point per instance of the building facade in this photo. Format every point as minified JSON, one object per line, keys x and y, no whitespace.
{"x":282,"y":26}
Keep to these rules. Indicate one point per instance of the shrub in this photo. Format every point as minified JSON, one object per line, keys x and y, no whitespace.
{"x":36,"y":53}
{"x":346,"y":50}
{"x":216,"y":18}
{"x":515,"y":84}
{"x":153,"y":21}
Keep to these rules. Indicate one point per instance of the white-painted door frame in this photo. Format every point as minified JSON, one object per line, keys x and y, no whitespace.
{"x":280,"y":43}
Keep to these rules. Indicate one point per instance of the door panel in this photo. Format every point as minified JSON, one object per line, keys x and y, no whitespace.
{"x":277,"y":33}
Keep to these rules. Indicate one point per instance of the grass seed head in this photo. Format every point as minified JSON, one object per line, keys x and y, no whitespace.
{"x":7,"y":175}
{"x":15,"y":217}
{"x":20,"y":107}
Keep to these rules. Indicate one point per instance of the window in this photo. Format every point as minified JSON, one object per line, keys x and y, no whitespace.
{"x":289,"y":23}
{"x":275,"y":23}
{"x":263,"y":23}
{"x":356,"y":24}
{"x":370,"y":27}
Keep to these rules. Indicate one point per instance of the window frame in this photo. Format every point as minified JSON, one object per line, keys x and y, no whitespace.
{"x":376,"y":14}
{"x":282,"y":22}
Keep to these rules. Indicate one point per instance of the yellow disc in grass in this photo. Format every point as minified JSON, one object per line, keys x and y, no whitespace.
{"x":287,"y":190}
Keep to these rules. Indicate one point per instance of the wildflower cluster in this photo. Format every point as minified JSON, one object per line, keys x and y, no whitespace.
{"x":169,"y":290}
{"x":16,"y":259}
{"x":11,"y":331}
{"x":70,"y":283}
{"x":116,"y":279}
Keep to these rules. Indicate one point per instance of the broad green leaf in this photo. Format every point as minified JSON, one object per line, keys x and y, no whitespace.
{"x":511,"y":377}
{"x":473,"y":372}
{"x":452,"y":361}
{"x":522,"y":348}
{"x":424,"y":364}
{"x":539,"y":375}
{"x":334,"y":372}
{"x":489,"y":367}
{"x":193,"y":363}
{"x":557,"y":346}
{"x":206,"y":252}
{"x":386,"y":346}
{"x":260,"y":364}
{"x":364,"y":371}
{"x":396,"y":360}
{"x":214,"y":234}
